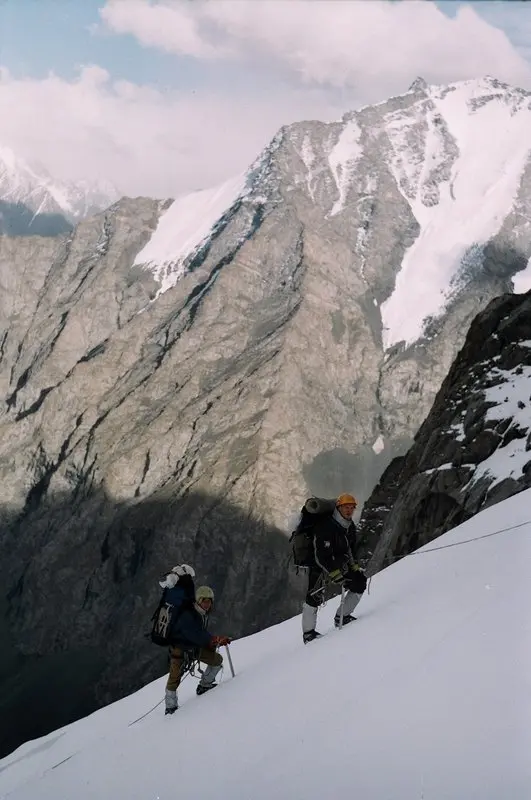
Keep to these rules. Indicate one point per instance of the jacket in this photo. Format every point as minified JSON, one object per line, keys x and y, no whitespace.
{"x":189,"y":630}
{"x":334,"y":546}
{"x":189,"y":627}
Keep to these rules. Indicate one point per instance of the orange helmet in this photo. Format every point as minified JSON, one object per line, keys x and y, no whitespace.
{"x":346,"y":500}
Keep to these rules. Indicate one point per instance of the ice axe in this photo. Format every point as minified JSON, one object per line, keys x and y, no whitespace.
{"x":341,"y":606}
{"x":230,"y":660}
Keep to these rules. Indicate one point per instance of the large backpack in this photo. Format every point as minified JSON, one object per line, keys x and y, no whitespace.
{"x":166,"y":614}
{"x":313,"y":511}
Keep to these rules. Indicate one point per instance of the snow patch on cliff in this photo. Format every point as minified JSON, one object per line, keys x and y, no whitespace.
{"x":342,"y":160}
{"x":184,"y":227}
{"x":492,"y":132}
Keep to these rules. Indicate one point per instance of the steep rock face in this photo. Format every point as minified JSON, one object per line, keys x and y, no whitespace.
{"x":473,"y":449}
{"x":178,"y":375}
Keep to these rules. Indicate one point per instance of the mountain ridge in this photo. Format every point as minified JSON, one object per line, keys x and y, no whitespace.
{"x":424,"y":124}
{"x":33,"y":192}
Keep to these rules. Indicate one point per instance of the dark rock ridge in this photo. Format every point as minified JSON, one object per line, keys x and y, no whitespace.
{"x":473,"y":449}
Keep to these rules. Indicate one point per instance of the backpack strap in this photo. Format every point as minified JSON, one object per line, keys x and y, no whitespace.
{"x":161,"y":603}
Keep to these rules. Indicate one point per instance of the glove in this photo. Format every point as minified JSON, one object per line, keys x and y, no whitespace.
{"x":219,"y":641}
{"x":336,"y":575}
{"x":354,"y":566}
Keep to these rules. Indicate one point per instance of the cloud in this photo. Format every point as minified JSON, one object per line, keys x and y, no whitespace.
{"x":145,"y":140}
{"x":329,"y":42}
{"x":174,"y":29}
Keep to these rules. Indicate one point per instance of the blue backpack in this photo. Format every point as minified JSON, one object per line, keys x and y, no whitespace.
{"x":171,"y":605}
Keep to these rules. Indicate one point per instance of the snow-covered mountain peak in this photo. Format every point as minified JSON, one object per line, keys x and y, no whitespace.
{"x":419,"y":84}
{"x":16,"y":170}
{"x":30,"y":185}
{"x":460,"y":157}
{"x":458,"y":154}
{"x":473,"y":94}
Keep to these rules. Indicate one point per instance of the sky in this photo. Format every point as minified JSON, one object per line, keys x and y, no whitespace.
{"x":164,"y":97}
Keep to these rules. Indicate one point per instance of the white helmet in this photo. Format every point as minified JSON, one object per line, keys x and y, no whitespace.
{"x":204,"y":593}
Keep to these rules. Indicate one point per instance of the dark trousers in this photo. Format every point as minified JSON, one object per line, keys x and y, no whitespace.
{"x":315,"y":580}
{"x":354,"y":581}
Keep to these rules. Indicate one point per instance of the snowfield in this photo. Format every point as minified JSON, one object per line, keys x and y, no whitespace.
{"x":474,"y":201}
{"x":184,"y":227}
{"x":426,"y":697}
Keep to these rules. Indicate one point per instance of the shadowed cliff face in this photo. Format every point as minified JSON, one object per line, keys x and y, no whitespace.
{"x":16,"y":219}
{"x":473,"y":449}
{"x":81,"y":582}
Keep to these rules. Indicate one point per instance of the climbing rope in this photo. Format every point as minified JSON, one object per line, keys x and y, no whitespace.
{"x":473,"y":539}
{"x":456,"y":544}
{"x":322,"y":584}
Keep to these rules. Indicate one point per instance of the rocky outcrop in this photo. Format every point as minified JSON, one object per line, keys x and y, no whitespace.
{"x":152,"y":416}
{"x":473,"y":449}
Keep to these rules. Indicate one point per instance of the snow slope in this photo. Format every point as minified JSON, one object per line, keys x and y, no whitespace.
{"x":342,"y":160}
{"x":427,"y":696}
{"x":182,"y":229}
{"x":491,"y":128}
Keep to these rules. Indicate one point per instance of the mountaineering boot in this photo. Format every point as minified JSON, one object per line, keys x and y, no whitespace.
{"x":171,"y":701}
{"x":208,"y":680}
{"x":201,"y":689}
{"x":346,"y":619}
{"x":309,"y":621}
{"x":309,"y":636}
{"x":350,"y":602}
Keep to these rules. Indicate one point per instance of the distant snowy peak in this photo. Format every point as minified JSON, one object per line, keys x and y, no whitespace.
{"x":426,"y":130}
{"x":34,"y":188}
{"x":439,"y":126}
{"x":459,"y":155}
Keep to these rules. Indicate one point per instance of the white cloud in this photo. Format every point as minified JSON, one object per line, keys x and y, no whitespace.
{"x":174,"y":29}
{"x":334,"y":42}
{"x":144,"y":140}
